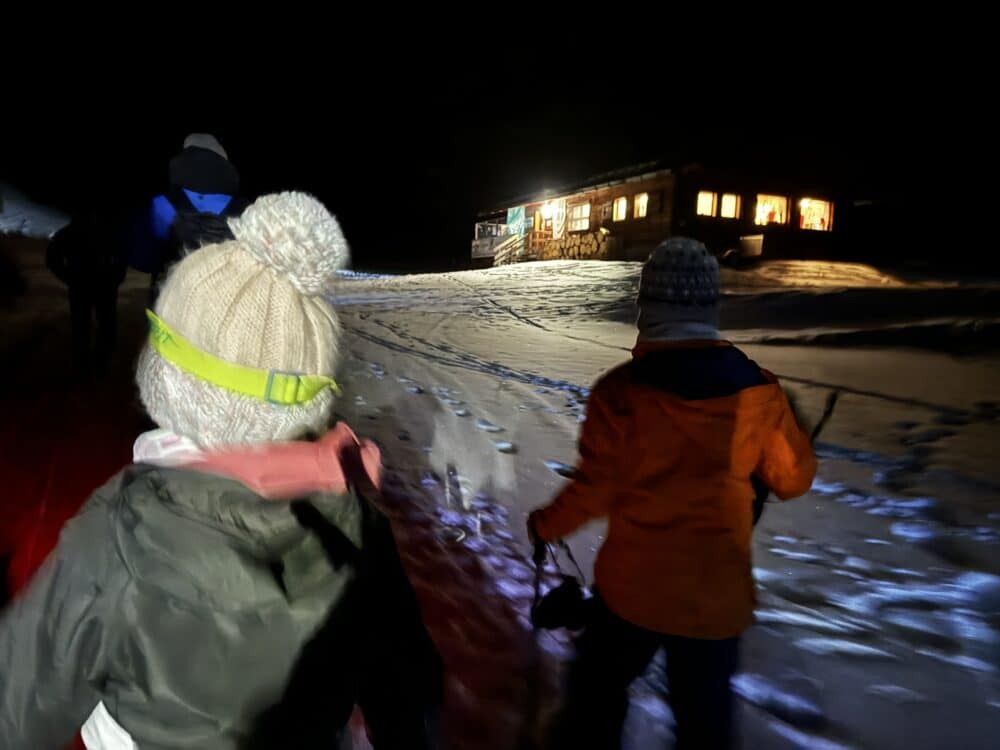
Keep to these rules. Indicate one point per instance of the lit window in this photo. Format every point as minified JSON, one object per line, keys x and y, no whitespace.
{"x":814,"y":214}
{"x":621,"y":208}
{"x":771,"y":209}
{"x":706,"y":203}
{"x":579,"y":217}
{"x":641,"y":204}
{"x":730,"y":206}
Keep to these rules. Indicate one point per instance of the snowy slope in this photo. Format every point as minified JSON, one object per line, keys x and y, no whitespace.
{"x":19,"y":215}
{"x":871,"y":603}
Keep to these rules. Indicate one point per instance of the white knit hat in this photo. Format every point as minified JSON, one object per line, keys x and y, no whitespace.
{"x":679,"y":292}
{"x":257,"y":302}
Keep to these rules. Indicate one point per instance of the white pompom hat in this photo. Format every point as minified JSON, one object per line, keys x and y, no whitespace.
{"x":255,"y":306}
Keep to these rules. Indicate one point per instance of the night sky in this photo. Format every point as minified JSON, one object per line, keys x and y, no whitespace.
{"x":406,"y":165}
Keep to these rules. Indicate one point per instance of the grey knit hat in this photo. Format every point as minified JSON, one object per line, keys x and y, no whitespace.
{"x":679,"y":292}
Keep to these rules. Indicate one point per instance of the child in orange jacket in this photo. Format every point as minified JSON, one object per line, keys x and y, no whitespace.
{"x":670,"y":443}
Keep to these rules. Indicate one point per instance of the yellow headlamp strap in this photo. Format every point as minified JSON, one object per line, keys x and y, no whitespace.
{"x":273,"y":386}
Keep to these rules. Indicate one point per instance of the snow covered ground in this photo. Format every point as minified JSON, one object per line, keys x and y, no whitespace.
{"x":879,"y":605}
{"x":879,"y":613}
{"x":20,"y":215}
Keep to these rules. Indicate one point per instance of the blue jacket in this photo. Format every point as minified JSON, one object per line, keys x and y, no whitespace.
{"x":193,"y":212}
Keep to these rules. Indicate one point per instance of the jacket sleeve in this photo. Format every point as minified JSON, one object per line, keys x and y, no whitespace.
{"x":787,"y":462}
{"x":592,"y":490}
{"x":54,"y":639}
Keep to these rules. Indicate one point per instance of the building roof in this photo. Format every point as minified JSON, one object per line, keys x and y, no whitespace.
{"x":595,"y":182}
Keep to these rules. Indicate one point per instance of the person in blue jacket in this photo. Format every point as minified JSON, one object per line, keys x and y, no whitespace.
{"x":203,"y":193}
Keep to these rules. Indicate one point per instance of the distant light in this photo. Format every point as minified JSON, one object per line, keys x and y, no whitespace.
{"x":640,"y":205}
{"x":706,"y":203}
{"x":730,"y":206}
{"x":816,"y":214}
{"x":771,"y":209}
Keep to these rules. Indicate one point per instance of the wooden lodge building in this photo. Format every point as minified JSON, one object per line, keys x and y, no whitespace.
{"x":622,"y":215}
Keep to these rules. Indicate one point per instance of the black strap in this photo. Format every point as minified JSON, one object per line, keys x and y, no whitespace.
{"x":569,"y":553}
{"x":831,"y":402}
{"x":372,"y":650}
{"x":539,"y":561}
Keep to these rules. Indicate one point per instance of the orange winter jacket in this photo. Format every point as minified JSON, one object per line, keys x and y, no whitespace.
{"x":667,"y":450}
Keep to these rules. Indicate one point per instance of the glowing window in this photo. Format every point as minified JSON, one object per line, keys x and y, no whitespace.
{"x":730,"y":206}
{"x":641,"y":204}
{"x":706,"y":203}
{"x":579,"y":217}
{"x":815,"y":214}
{"x":621,"y":208}
{"x":771,"y":209}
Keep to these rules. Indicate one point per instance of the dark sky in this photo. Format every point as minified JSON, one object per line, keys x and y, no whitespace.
{"x":406,"y":162}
